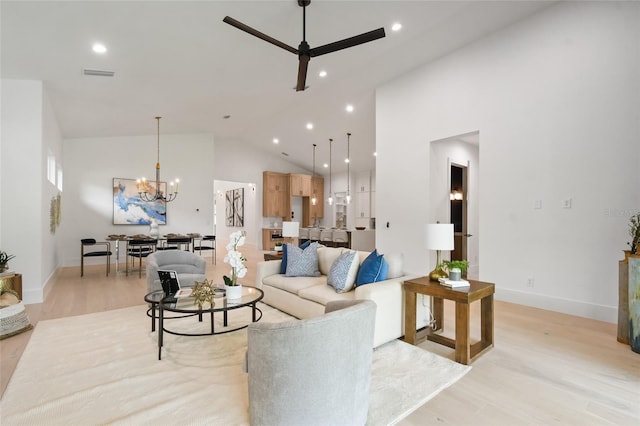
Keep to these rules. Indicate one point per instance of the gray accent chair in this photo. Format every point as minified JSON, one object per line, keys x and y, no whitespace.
{"x":189,"y":266}
{"x":315,"y":371}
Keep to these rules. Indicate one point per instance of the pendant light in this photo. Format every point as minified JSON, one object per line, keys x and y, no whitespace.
{"x":153,"y":192}
{"x":348,"y":160}
{"x":330,"y":199}
{"x":314,"y":200}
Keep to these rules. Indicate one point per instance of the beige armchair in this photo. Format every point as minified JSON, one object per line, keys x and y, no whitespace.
{"x":189,"y":266}
{"x":315,"y":371}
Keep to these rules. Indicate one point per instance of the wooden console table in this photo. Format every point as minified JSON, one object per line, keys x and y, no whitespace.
{"x":463,"y":297}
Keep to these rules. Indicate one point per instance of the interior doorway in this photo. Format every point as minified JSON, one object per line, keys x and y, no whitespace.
{"x":458,"y":210}
{"x":454,"y":173}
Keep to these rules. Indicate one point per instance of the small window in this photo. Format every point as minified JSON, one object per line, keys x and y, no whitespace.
{"x":59,"y":179}
{"x":51,"y":168}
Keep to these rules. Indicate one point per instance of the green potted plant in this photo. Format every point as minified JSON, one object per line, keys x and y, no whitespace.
{"x":4,"y":260}
{"x":456,"y":268}
{"x":634,"y":232}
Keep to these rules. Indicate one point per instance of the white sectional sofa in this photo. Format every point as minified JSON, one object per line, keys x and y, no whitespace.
{"x":306,"y":297}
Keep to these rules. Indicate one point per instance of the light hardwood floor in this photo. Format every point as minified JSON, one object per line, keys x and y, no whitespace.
{"x":546,"y":368}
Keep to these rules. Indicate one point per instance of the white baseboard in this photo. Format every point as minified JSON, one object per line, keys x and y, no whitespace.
{"x":556,"y":304}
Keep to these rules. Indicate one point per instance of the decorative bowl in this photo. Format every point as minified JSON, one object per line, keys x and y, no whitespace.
{"x":361,"y":228}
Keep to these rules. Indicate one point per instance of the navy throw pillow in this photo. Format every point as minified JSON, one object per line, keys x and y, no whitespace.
{"x":373,"y":269}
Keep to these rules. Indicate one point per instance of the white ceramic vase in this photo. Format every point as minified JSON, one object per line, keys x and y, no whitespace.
{"x":233,"y":291}
{"x":153,"y":229}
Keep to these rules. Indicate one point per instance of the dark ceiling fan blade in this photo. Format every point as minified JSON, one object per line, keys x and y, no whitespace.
{"x":302,"y":72}
{"x":347,"y":42}
{"x":247,"y":29}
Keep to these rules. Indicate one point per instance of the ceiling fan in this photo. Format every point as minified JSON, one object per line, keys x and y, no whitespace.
{"x":304,"y":52}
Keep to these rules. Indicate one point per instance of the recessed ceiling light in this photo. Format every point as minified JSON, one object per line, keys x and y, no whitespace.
{"x":322,"y":73}
{"x":346,"y":160}
{"x":396,"y":27}
{"x":99,"y":48}
{"x":325,"y":165}
{"x":375,"y":154}
{"x":309,"y":126}
{"x":349,"y":108}
{"x":276,"y":140}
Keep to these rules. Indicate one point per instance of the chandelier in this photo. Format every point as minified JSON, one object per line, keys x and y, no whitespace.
{"x":153,"y":191}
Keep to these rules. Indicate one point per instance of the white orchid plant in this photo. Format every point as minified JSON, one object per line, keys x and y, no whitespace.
{"x":235,"y":258}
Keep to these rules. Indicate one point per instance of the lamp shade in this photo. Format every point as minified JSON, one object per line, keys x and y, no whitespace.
{"x":438,"y":236}
{"x":291,"y":229}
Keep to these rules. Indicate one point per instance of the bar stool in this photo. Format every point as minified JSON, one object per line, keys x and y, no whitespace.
{"x":340,"y":239}
{"x":326,"y":237}
{"x":304,"y":235}
{"x":314,"y":234}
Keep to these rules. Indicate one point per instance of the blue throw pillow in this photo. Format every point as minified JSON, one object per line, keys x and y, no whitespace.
{"x":283,"y":265}
{"x":373,"y":269}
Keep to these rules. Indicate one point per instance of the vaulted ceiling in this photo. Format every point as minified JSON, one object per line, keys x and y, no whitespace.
{"x":178,"y":60}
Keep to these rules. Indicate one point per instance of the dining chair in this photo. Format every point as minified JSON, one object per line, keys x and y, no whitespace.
{"x":91,"y":242}
{"x":210,"y":244}
{"x":177,"y":243}
{"x":140,"y":248}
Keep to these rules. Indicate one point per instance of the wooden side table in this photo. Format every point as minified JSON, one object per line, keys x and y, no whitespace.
{"x":463,"y":297}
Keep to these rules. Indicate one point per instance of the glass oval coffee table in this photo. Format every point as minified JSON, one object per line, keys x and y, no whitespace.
{"x":187,"y":306}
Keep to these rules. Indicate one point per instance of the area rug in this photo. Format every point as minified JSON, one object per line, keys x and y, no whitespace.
{"x":103,"y":368}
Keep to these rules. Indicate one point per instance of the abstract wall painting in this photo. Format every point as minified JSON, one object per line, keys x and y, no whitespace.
{"x":129,"y":209}
{"x":234,"y":207}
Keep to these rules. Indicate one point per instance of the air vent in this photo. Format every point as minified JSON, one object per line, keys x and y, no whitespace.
{"x":99,"y":73}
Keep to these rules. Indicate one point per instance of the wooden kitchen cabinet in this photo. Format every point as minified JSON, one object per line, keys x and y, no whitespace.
{"x":310,"y":212}
{"x":300,"y":185}
{"x":275,"y":198}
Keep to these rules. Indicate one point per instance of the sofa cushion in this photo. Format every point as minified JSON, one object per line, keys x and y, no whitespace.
{"x":294,"y":284}
{"x":283,"y":264}
{"x":324,"y":294}
{"x":343,"y":272}
{"x":326,"y":257}
{"x":395,"y":265}
{"x":302,"y":263}
{"x":373,"y":269}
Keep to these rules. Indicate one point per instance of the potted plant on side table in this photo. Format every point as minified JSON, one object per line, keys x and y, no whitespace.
{"x":238,"y":269}
{"x":456,"y":268}
{"x":634,"y":232}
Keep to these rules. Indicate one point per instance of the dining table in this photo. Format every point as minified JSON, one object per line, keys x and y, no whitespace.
{"x":123,"y":238}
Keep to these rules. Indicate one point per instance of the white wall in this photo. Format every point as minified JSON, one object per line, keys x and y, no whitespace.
{"x":237,"y":163}
{"x":556,"y":99}
{"x":92,"y":163}
{"x":252,"y":207}
{"x":29,"y":132}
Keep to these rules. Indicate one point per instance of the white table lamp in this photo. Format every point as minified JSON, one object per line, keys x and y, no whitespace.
{"x":291,"y":229}
{"x":438,"y":237}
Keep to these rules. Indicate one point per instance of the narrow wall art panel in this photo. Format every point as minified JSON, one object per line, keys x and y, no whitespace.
{"x":234,"y":207}
{"x":129,"y":209}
